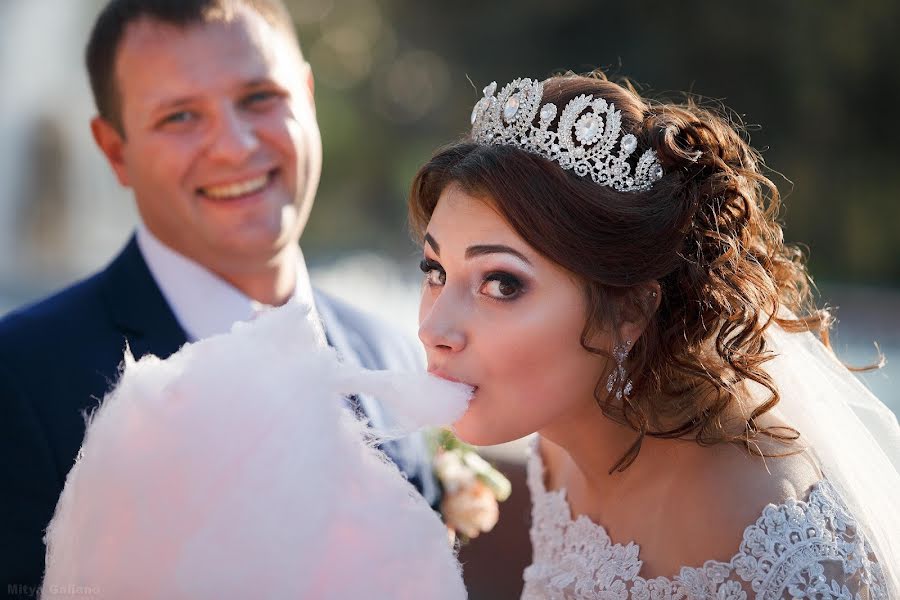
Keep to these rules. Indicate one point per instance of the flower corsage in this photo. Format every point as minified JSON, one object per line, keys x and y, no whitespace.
{"x":472,"y":487}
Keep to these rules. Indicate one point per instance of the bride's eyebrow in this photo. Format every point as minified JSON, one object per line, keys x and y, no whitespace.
{"x":433,"y":243}
{"x":482,"y":250}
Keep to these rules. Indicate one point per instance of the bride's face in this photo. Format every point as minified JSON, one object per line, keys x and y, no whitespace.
{"x":497,"y":315}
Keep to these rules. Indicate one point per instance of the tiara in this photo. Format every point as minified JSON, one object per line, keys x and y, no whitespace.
{"x":508,"y":118}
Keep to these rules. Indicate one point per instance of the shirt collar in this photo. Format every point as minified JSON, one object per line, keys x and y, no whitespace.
{"x":203,"y":303}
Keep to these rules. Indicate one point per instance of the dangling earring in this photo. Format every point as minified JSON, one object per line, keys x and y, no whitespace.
{"x":619,"y":376}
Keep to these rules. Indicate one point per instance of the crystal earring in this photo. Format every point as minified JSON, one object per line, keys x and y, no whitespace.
{"x":619,"y":376}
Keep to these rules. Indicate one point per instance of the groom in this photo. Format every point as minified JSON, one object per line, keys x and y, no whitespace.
{"x":206,"y":113}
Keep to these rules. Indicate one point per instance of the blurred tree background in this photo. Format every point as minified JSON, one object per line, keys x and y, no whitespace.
{"x":815,"y":84}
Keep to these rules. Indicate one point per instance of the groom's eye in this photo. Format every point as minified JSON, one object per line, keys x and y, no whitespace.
{"x":434,"y":272}
{"x":257,"y":99}
{"x":182,"y":116}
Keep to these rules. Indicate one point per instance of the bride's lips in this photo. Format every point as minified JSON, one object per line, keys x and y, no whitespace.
{"x":443,"y":375}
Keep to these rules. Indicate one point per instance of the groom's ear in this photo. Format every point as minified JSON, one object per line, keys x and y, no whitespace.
{"x":111,"y":142}
{"x":311,"y":86}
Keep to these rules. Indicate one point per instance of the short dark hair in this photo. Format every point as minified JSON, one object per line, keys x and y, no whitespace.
{"x":114,"y":19}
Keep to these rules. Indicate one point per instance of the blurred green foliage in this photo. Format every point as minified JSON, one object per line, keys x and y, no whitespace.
{"x":815,"y":83}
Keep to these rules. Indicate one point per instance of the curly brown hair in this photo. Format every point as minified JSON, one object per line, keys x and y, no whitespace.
{"x":707,"y":232}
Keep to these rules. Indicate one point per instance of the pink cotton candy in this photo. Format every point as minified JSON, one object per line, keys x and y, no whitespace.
{"x":233,"y":470}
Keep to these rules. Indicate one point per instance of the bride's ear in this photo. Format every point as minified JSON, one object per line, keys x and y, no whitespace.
{"x":638,"y":310}
{"x":631,"y":317}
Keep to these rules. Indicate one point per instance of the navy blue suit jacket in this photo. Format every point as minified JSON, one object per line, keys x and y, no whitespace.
{"x":59,"y":357}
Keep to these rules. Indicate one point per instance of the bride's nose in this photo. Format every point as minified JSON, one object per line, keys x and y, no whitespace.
{"x":441,"y":326}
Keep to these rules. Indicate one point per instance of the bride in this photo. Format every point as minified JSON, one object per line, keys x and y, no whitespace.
{"x":608,"y":272}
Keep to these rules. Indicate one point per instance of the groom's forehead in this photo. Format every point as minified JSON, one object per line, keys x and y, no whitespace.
{"x":243,"y":35}
{"x":158,"y":60}
{"x":118,"y":15}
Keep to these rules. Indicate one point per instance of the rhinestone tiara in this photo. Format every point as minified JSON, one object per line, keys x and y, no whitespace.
{"x":507,"y":119}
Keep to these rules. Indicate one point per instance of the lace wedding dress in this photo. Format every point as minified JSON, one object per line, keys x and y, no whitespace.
{"x":840,"y":542}
{"x":800,"y":549}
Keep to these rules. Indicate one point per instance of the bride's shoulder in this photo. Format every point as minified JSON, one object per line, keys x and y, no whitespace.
{"x":728,"y":491}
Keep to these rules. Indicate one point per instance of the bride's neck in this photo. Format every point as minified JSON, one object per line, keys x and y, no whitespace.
{"x":595,"y":443}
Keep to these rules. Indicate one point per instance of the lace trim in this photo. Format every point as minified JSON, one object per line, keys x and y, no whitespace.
{"x":784,"y":554}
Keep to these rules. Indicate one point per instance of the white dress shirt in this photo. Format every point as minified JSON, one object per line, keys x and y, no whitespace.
{"x":203,"y":303}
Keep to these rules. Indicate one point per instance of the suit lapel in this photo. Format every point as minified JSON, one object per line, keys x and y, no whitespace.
{"x":408,"y":453}
{"x":138,"y":307}
{"x":339,"y":339}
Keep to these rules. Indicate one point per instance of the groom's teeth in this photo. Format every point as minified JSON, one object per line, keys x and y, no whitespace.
{"x":234,"y":190}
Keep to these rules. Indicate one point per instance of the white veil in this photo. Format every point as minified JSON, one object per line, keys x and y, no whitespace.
{"x":854,"y":437}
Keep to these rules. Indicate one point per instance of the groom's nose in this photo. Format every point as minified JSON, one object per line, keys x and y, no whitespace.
{"x":234,"y":138}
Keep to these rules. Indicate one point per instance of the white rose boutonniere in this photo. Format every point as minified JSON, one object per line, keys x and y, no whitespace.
{"x":472,"y":487}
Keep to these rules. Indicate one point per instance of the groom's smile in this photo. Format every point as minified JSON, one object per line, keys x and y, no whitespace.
{"x":240,"y":191}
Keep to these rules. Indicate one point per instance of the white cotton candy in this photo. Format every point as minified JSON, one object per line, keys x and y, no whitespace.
{"x":414,"y":400}
{"x":233,"y":470}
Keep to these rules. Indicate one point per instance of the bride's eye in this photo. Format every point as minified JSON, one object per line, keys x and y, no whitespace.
{"x":501,"y":286}
{"x":434,"y":273}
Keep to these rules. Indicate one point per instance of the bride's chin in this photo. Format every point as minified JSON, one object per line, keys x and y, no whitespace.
{"x":479,"y":424}
{"x":466,"y":432}
{"x":472,"y":432}
{"x":472,"y":440}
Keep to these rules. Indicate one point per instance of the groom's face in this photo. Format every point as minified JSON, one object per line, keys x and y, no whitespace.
{"x":218,"y":139}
